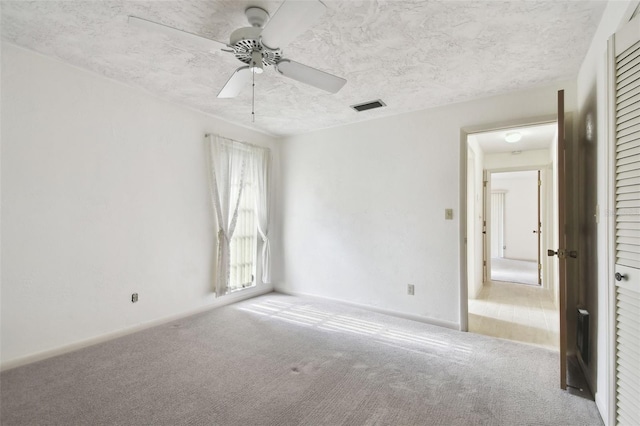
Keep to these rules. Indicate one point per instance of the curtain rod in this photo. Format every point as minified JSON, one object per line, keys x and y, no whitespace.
{"x":206,"y":135}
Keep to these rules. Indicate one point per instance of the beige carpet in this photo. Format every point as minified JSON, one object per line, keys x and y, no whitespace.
{"x":282,"y":360}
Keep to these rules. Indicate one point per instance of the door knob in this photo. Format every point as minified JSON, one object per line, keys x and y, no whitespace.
{"x":620,"y":277}
{"x":563,"y":253}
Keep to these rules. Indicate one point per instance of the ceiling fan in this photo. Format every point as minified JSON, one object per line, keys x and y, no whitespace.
{"x":260,"y":45}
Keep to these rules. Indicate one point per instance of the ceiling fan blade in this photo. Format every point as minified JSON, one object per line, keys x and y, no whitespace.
{"x":292,"y":19}
{"x":194,"y":39}
{"x":310,"y":76}
{"x":238,"y":81}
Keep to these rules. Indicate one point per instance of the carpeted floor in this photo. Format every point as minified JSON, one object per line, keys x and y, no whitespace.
{"x":283,"y":360}
{"x":514,"y":271}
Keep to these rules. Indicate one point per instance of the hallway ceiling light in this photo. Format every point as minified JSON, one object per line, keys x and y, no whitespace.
{"x":513,"y":137}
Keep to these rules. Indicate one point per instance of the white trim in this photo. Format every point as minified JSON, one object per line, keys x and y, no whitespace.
{"x":218,"y":302}
{"x":603,"y":409}
{"x":527,"y":168}
{"x":523,"y":122}
{"x":463,"y":316}
{"x":544,"y":260}
{"x":419,"y":318}
{"x":497,"y":205}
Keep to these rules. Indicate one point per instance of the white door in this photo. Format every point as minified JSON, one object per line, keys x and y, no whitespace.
{"x":626,"y":48}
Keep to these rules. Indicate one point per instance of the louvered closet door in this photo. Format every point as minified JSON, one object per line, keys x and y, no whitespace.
{"x":627,"y":223}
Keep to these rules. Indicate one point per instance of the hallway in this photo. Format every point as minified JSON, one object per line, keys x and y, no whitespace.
{"x":516,"y":312}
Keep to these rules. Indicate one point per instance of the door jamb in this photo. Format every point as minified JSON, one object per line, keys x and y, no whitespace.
{"x":490,"y":172}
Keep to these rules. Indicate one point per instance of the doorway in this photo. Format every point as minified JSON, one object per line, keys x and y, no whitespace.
{"x":511,"y":288}
{"x":515,"y":227}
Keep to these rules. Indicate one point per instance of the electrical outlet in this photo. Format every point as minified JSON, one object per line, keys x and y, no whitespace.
{"x":411,"y":290}
{"x":448,"y":214}
{"x":134,"y":297}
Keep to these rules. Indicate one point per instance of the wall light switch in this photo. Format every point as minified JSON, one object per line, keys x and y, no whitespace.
{"x":448,"y":214}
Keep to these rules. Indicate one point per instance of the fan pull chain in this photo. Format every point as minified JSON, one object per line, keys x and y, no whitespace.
{"x":253,"y":96}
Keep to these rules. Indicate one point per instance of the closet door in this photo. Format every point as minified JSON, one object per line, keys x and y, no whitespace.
{"x":627,"y":222}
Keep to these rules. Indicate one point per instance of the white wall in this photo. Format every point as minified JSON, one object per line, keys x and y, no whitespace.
{"x":591,"y":82}
{"x":364,"y":205}
{"x":508,"y":161}
{"x":104,"y":193}
{"x":520,"y":213}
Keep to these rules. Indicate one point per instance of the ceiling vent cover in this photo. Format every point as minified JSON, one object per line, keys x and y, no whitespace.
{"x":368,"y":105}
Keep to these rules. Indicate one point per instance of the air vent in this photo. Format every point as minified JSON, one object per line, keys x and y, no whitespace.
{"x":368,"y":105}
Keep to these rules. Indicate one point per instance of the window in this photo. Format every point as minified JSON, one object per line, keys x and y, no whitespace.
{"x":243,"y":247}
{"x":239,"y":184}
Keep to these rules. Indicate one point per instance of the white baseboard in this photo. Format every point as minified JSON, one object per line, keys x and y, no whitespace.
{"x":419,"y":318}
{"x":218,"y":302}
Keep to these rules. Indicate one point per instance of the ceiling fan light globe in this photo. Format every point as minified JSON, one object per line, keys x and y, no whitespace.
{"x":256,"y":62}
{"x":513,"y":137}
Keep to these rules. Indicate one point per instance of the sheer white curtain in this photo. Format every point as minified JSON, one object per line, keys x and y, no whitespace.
{"x":229,"y":162}
{"x":261,"y":162}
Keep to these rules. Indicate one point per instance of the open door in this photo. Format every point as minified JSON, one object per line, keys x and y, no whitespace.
{"x":562,"y":251}
{"x":626,"y":166}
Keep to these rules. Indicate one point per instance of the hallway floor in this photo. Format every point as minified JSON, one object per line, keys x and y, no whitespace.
{"x":514,"y":271}
{"x":516,"y":312}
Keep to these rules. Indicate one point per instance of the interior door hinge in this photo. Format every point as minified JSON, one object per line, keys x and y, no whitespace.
{"x":484,"y":183}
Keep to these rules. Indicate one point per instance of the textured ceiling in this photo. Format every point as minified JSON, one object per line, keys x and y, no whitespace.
{"x":411,"y":54}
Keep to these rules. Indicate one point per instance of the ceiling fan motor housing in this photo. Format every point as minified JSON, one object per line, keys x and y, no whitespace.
{"x":245,"y":41}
